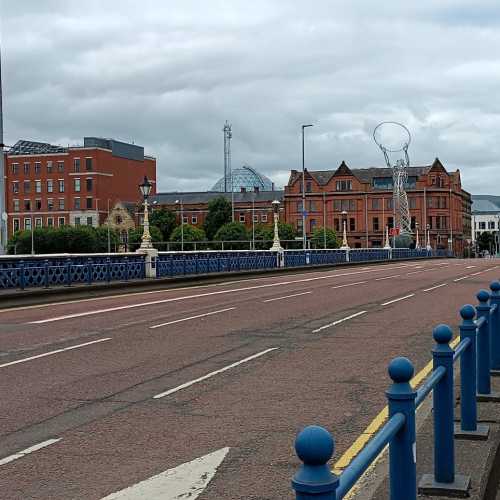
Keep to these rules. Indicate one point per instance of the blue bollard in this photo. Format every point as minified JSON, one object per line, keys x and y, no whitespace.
{"x":495,"y":326}
{"x":483,"y":344}
{"x":444,"y":446}
{"x":402,"y":448}
{"x":468,"y":403}
{"x":314,"y":480}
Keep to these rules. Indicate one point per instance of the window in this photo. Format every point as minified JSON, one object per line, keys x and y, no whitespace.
{"x":390,"y":204}
{"x":429,"y":221}
{"x":16,"y":225}
{"x":263,"y":218}
{"x":90,"y":185}
{"x":77,"y":204}
{"x":442,"y":202}
{"x":77,"y":221}
{"x":376,"y":204}
{"x":50,"y":221}
{"x":26,"y":169}
{"x":27,"y":186}
{"x":61,"y":203}
{"x":88,"y":164}
{"x":256,"y":217}
{"x":89,"y":221}
{"x":61,"y":221}
{"x":15,"y":187}
{"x":16,"y":205}
{"x":299,"y":227}
{"x":50,"y":204}
{"x":38,"y":186}
{"x":38,"y":222}
{"x":308,"y":186}
{"x":50,"y":166}
{"x":27,"y":224}
{"x":50,"y":186}
{"x":27,"y":205}
{"x":61,"y":185}
{"x":390,"y":222}
{"x":382,"y":182}
{"x":336,"y":224}
{"x":38,"y":167}
{"x":352,"y":224}
{"x":194,"y":220}
{"x":15,"y":169}
{"x":60,"y":166}
{"x":312,"y":225}
{"x":242,"y":217}
{"x":491,"y":224}
{"x":299,"y":206}
{"x":376,"y":224}
{"x":38,"y":204}
{"x":185,"y":220}
{"x":482,"y":225}
{"x":312,"y":206}
{"x":413,"y":222}
{"x":345,"y":185}
{"x":77,"y":185}
{"x":76,"y":165}
{"x":412,"y":203}
{"x":89,"y":203}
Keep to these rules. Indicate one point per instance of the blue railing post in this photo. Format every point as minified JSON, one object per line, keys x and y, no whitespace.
{"x":125,"y":263}
{"x":68,"y":272}
{"x":108,"y":269}
{"x":444,"y":446}
{"x":495,"y":327}
{"x":468,"y":404}
{"x":483,"y":344}
{"x":314,"y":480}
{"x":22,"y":282}
{"x":46,"y":273}
{"x":402,"y":448}
{"x":89,"y":271}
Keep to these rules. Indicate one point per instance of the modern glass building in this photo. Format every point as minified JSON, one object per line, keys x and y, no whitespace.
{"x":247,"y":179}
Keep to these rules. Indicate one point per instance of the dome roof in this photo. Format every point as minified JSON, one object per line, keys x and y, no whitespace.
{"x":248,"y":178}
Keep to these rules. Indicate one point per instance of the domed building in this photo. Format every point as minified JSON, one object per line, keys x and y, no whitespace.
{"x":245,"y":179}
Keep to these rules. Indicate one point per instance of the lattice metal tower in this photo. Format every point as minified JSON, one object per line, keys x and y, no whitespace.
{"x":227,"y":157}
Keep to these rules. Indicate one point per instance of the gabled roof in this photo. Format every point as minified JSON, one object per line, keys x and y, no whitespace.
{"x":202,"y":197}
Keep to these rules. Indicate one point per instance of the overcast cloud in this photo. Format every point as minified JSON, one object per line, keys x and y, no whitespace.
{"x":167,"y":74}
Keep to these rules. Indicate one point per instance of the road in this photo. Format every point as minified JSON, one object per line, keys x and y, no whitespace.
{"x":101,"y":394}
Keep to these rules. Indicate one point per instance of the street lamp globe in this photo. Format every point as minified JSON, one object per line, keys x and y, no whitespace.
{"x":145,"y":187}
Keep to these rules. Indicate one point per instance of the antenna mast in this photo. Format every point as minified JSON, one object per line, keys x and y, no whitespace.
{"x":227,"y":156}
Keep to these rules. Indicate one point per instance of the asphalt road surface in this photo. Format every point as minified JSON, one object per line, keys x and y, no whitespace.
{"x":99,"y":395}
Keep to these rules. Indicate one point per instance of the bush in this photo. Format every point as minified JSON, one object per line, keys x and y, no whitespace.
{"x":318,"y":238}
{"x":135,"y":238}
{"x":191,"y":234}
{"x":233,"y":232}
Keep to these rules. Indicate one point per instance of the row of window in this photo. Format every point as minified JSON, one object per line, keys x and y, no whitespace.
{"x":256,"y":218}
{"x":27,"y":204}
{"x":61,"y":221}
{"x":50,"y":167}
{"x":482,"y":225}
{"x":77,"y":185}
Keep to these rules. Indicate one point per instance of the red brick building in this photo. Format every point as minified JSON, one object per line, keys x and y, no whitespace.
{"x":49,"y":185}
{"x":435,"y":197}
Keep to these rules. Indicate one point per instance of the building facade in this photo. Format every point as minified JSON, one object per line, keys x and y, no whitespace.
{"x":364,"y":199}
{"x":486,"y":217}
{"x":50,"y":186}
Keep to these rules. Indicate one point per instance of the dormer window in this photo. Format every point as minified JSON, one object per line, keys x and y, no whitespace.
{"x":344,"y":185}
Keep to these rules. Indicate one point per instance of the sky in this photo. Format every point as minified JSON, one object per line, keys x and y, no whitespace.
{"x":168,"y":74}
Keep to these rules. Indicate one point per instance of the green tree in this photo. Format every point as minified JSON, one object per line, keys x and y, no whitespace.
{"x":233,"y":232}
{"x":190,"y":234}
{"x":263,"y":237}
{"x":164,"y":220}
{"x":286,"y":233}
{"x":486,"y":241}
{"x":102,"y":239}
{"x":318,"y":238}
{"x":219,"y":213}
{"x":135,"y":238}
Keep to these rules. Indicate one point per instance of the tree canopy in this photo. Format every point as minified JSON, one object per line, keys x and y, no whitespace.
{"x":219,"y":213}
{"x":318,"y":238}
{"x":190,"y":234}
{"x":164,"y":220}
{"x":234,"y":232}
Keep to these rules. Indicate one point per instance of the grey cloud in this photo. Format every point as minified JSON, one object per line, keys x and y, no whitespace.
{"x":167,"y":74}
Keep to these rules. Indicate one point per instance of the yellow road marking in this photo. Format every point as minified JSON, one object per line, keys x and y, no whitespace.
{"x":375,"y":425}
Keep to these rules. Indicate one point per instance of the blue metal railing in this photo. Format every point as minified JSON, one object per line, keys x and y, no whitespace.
{"x":315,"y":445}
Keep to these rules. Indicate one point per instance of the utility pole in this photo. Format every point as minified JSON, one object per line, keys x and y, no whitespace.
{"x":3,"y":212}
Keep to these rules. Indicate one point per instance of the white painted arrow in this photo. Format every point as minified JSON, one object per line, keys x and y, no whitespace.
{"x":185,"y":481}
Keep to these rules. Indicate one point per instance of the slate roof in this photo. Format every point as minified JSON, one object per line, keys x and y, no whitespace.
{"x":203,"y":197}
{"x":485,"y":203}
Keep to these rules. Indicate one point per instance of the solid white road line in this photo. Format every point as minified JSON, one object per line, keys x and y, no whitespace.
{"x":470,"y":267}
{"x":350,"y":284}
{"x":434,"y":287}
{"x":388,"y":277}
{"x":212,"y":374}
{"x":460,"y":279}
{"x":286,"y":297}
{"x":196,"y":296}
{"x":27,"y":451}
{"x":51,"y":353}
{"x":398,"y":299}
{"x":192,"y":317}
{"x":184,"y":481}
{"x":414,"y":272}
{"x":339,"y":321}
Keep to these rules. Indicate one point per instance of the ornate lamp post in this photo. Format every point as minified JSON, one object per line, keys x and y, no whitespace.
{"x":276,"y":241}
{"x":345,"y":245}
{"x":145,"y":188}
{"x":417,"y":241}
{"x":428,"y":242}
{"x":387,"y":244}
